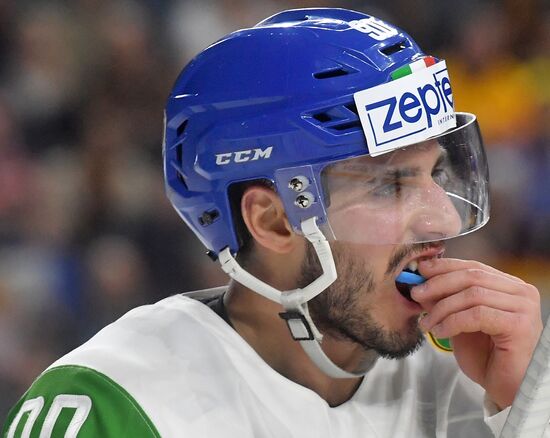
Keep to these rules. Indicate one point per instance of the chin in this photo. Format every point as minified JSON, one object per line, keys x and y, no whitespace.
{"x":398,"y":344}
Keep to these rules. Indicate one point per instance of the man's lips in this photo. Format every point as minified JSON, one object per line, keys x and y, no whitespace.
{"x":433,"y":252}
{"x":404,"y":287}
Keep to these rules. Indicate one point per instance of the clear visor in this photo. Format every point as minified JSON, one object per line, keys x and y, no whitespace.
{"x":433,"y":190}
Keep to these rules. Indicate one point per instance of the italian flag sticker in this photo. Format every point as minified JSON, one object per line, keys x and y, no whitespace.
{"x":412,"y":67}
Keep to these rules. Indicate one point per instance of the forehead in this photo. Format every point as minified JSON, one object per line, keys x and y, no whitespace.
{"x":421,"y":155}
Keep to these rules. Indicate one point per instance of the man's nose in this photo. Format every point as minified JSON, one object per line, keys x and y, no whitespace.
{"x":435,"y":217}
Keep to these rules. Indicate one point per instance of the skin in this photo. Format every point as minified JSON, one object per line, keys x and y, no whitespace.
{"x":493,"y":318}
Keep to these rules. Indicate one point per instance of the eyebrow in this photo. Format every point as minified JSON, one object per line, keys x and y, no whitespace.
{"x":409,"y":172}
{"x":404,"y":172}
{"x":361,"y":170}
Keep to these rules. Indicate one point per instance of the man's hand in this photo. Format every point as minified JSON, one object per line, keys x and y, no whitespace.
{"x":493,"y":320}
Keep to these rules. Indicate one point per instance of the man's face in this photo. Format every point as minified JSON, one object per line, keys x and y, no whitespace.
{"x":393,"y":199}
{"x":382,"y":217}
{"x":363,"y":305}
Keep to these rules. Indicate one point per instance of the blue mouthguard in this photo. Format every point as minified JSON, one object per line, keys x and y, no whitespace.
{"x":410,"y":278}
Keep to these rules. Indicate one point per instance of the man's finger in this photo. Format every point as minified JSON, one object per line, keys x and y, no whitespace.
{"x":488,"y":320}
{"x":448,"y":283}
{"x":469,"y":298}
{"x":432,"y":267}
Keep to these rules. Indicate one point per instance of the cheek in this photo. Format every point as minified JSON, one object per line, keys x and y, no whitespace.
{"x":364,"y":261}
{"x":359,"y":224}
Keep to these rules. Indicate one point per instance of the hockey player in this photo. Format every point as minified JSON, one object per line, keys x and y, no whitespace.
{"x":319,"y":159}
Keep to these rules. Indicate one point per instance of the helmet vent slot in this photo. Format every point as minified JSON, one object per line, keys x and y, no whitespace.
{"x":334,"y":73}
{"x":181,"y":180}
{"x":181,"y":128}
{"x":347,"y":125}
{"x":179,"y":164}
{"x":352,"y":107}
{"x":395,"y":48}
{"x":339,"y":119}
{"x":322,"y":117}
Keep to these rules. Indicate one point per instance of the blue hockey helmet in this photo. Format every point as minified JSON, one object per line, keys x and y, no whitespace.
{"x":289,"y":99}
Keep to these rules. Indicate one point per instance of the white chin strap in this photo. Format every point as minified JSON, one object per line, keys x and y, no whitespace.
{"x":294,"y":301}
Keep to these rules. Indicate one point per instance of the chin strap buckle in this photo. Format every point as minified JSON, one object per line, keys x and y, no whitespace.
{"x":300,"y":329}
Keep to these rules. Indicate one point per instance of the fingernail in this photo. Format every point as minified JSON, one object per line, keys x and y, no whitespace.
{"x":423,"y":322}
{"x":436,"y":330}
{"x":428,"y":263}
{"x":419,"y":288}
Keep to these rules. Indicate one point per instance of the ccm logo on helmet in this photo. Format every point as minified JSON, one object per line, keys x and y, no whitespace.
{"x":243,"y":156}
{"x":407,"y":110}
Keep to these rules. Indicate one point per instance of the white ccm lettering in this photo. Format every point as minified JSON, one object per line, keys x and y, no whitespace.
{"x":222,"y":159}
{"x":243,"y":156}
{"x":374,"y":28}
{"x":407,"y":110}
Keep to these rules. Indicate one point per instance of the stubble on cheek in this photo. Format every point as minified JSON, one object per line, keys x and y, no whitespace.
{"x":343,"y":311}
{"x":337,"y":309}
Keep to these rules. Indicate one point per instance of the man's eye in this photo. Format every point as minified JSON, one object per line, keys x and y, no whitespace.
{"x":386,"y":190}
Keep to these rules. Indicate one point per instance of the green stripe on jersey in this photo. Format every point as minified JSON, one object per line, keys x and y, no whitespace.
{"x":77,"y":401}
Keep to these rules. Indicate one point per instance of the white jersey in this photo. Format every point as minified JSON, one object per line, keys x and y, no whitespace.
{"x":192,"y":375}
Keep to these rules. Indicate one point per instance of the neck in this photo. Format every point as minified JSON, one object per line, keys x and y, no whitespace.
{"x":256,"y":319}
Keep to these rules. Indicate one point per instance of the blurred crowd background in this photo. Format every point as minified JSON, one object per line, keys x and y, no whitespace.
{"x":85,"y":230}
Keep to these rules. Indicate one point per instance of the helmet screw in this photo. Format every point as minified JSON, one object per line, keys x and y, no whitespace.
{"x":298,"y":183}
{"x":304,"y":200}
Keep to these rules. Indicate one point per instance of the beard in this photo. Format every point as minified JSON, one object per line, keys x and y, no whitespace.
{"x":338,"y":312}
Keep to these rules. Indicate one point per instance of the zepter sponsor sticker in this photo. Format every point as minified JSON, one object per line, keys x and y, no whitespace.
{"x":407,"y":110}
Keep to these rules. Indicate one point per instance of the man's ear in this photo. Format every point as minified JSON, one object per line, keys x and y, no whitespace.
{"x":264,"y":215}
